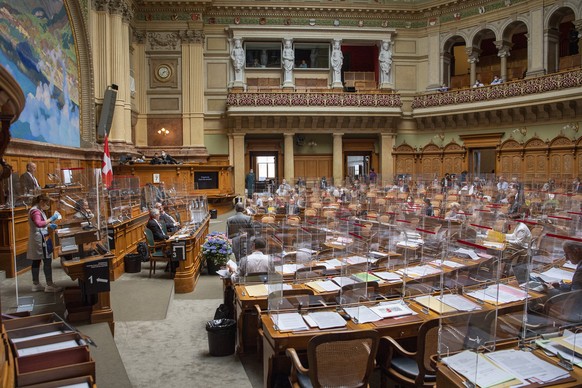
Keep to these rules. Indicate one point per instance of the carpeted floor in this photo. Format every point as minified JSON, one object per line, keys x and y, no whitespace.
{"x":135,"y":297}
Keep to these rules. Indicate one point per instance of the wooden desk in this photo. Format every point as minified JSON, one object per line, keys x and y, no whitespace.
{"x":77,"y":311}
{"x":189,"y":269}
{"x":125,"y":235}
{"x":447,"y":378}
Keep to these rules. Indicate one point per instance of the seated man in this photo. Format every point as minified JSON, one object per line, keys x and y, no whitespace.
{"x":455,"y":213}
{"x":155,"y":226}
{"x":520,"y":237}
{"x":167,"y":159}
{"x":171,"y":224}
{"x":291,"y":207}
{"x":257,"y":261}
{"x":572,"y":252}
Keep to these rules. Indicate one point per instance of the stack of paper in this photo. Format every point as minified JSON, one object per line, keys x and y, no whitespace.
{"x":434,"y":304}
{"x":362,"y":314}
{"x":324,"y":320}
{"x":331,"y":264}
{"x":47,"y":348}
{"x":554,"y":275}
{"x":447,"y":263}
{"x":289,"y":322}
{"x":526,"y":367}
{"x":570,"y":265}
{"x":390,"y":277}
{"x":287,"y":269}
{"x":366,"y":277}
{"x":477,"y":369}
{"x":344,"y":281}
{"x":419,"y":271}
{"x":499,"y":294}
{"x":467,"y":252}
{"x":258,"y":290}
{"x":392,"y":309}
{"x":323,"y":286}
{"x":357,"y":260}
{"x":459,"y":302}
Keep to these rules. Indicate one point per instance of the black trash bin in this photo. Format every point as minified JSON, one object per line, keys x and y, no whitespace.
{"x":221,"y":336}
{"x":213,"y":214}
{"x":132,"y":263}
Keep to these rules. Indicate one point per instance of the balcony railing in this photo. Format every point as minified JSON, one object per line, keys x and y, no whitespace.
{"x":311,"y":99}
{"x":547,"y":83}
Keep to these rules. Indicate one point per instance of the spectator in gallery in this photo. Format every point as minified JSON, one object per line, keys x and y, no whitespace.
{"x":477,"y":84}
{"x":303,"y":64}
{"x":443,"y":88}
{"x":156,"y":159}
{"x":496,"y":80}
{"x":167,"y":159}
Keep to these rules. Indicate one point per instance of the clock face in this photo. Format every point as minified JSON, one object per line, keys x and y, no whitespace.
{"x":164,"y":72}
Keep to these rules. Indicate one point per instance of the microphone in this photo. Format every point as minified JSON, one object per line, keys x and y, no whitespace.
{"x":81,"y":211}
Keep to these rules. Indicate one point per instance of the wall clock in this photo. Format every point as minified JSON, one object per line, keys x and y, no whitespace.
{"x":163,"y":72}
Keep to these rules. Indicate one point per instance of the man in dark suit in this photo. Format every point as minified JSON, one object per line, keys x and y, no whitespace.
{"x":156,"y":227}
{"x":167,"y":159}
{"x":573,"y":252}
{"x":171,"y":224}
{"x":239,"y":223}
{"x":28,"y":182}
{"x":291,"y":208}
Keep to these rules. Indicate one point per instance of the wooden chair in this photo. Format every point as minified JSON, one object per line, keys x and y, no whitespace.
{"x":268,"y":219}
{"x":410,"y":368}
{"x":310,"y":212}
{"x":293,"y":220}
{"x":328,"y":364}
{"x":156,"y":250}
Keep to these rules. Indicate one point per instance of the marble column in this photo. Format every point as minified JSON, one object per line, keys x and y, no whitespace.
{"x":386,"y":158}
{"x":535,"y":43}
{"x":434,"y":65}
{"x":446,"y":74}
{"x":140,"y":76}
{"x":126,"y":17}
{"x":552,"y":59}
{"x":239,"y":163}
{"x":503,"y":51}
{"x":338,"y":158}
{"x":473,"y":59}
{"x":118,"y":75}
{"x":289,"y":158}
{"x":193,"y":88}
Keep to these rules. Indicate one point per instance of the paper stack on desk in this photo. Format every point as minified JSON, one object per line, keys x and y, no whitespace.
{"x":419,"y":271}
{"x":324,"y":320}
{"x":323,"y":286}
{"x":499,"y":294}
{"x":554,"y":275}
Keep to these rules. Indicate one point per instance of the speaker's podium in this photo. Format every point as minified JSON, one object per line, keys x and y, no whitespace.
{"x":90,"y":301}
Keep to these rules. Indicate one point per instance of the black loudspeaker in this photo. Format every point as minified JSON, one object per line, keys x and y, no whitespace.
{"x":107,"y":111}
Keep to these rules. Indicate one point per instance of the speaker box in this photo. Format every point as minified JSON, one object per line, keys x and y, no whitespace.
{"x":107,"y":112}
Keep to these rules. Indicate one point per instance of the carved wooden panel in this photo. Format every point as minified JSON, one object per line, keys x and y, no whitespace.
{"x":405,"y":164}
{"x":530,"y":163}
{"x":313,"y":166}
{"x":431,"y":165}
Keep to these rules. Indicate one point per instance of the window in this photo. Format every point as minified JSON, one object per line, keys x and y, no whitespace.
{"x":266,"y":167}
{"x":263,"y":55}
{"x":312,"y":55}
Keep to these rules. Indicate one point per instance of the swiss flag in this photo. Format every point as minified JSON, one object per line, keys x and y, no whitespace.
{"x":106,"y":168}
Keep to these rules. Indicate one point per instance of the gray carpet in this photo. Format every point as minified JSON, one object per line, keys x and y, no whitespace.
{"x":135,"y":297}
{"x":174,"y":352}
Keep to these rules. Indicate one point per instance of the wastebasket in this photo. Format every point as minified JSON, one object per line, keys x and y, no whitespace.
{"x":221,"y":336}
{"x":214,"y":214}
{"x":132,"y":263}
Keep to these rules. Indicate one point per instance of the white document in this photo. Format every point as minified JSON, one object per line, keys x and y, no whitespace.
{"x":570,"y":265}
{"x":288,"y":268}
{"x":327,"y":319}
{"x":333,"y":263}
{"x":328,"y":285}
{"x":556,"y":274}
{"x":357,"y":260}
{"x":223,"y":273}
{"x":289,"y":322}
{"x":390,"y":277}
{"x":419,"y":271}
{"x":468,"y":252}
{"x":458,"y":302}
{"x":526,"y":366}
{"x":477,"y":369}
{"x":43,"y":335}
{"x":232,"y":264}
{"x":378,"y":254}
{"x":362,"y":314}
{"x":506,"y":294}
{"x":391,"y":309}
{"x":447,"y":263}
{"x":47,"y":348}
{"x":344,"y":281}
{"x":408,"y":244}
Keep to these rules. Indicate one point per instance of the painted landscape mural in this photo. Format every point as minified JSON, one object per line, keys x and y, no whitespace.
{"x":37,"y":47}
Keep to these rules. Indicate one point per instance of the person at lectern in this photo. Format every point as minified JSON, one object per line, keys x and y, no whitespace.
{"x":156,"y":227}
{"x":83,"y":210}
{"x":40,"y":246}
{"x":28,"y":182}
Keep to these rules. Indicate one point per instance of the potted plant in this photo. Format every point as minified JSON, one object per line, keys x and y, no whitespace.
{"x":217,"y":249}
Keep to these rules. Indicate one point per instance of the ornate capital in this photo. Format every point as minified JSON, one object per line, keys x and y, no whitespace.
{"x":503,"y":48}
{"x":163,"y":41}
{"x":100,"y":5}
{"x":472,"y":54}
{"x":138,"y":37}
{"x":192,"y":36}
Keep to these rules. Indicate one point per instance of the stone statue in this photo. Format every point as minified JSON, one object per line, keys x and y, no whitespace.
{"x":288,"y":62}
{"x":238,"y":60}
{"x":337,"y":60}
{"x":385,"y":59}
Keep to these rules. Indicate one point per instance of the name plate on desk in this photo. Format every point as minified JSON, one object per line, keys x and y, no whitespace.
{"x":97,"y":276}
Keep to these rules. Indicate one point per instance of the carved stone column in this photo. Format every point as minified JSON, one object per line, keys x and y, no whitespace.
{"x":503,"y":51}
{"x":337,"y":60}
{"x":193,"y":87}
{"x":238,"y":60}
{"x":289,"y":157}
{"x":288,"y":63}
{"x":473,"y":59}
{"x":338,"y":164}
{"x":386,"y":70}
{"x":552,"y":59}
{"x":239,"y":163}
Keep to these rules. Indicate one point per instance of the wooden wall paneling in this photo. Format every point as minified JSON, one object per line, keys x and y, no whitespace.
{"x":404,"y":159}
{"x":509,"y":159}
{"x":313,"y":166}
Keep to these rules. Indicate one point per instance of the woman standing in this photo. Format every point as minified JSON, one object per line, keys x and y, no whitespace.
{"x":40,"y":247}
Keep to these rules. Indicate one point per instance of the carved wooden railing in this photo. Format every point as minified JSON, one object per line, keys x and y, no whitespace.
{"x":311,"y":99}
{"x":547,"y":83}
